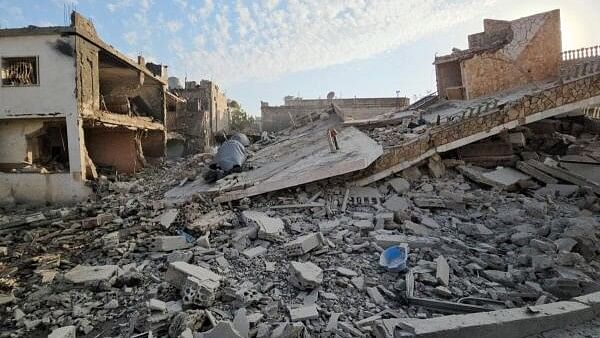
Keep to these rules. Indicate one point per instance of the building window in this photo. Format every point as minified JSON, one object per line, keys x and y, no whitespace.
{"x":20,"y":71}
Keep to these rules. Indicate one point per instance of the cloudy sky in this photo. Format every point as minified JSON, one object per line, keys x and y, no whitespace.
{"x":266,"y":49}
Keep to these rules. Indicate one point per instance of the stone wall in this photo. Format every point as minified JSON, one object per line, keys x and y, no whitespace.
{"x":519,"y":62}
{"x":516,"y":111}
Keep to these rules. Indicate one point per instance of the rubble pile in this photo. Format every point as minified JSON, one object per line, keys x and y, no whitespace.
{"x":303,"y":261}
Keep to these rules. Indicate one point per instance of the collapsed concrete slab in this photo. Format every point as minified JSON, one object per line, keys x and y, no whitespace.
{"x":87,"y":274}
{"x":519,"y":322}
{"x":302,"y":158}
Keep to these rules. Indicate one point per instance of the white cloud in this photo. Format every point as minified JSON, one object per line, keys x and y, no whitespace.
{"x":174,"y":26}
{"x":131,"y":37}
{"x":264,"y":40}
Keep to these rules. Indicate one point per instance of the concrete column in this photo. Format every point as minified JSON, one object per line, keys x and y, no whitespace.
{"x":76,"y":144}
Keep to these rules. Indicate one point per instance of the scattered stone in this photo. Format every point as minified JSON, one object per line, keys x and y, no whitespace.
{"x":201,"y":293}
{"x":254,"y":252}
{"x":399,"y":184}
{"x":178,"y":272}
{"x":168,"y":243}
{"x":442,"y":273}
{"x":304,"y":313}
{"x":305,"y":275}
{"x":304,"y":244}
{"x":168,"y":218}
{"x":269,"y":228}
{"x":346,"y":272}
{"x":87,"y":274}
{"x":64,"y":332}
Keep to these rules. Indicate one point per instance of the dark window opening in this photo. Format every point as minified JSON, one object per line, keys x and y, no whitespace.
{"x":20,"y":71}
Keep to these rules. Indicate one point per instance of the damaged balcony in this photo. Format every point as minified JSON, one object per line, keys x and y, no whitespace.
{"x":127,"y":129}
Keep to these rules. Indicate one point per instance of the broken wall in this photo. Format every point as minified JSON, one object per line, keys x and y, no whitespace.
{"x":118,"y":148}
{"x":519,"y":62}
{"x":13,"y":140}
{"x":42,"y":188}
{"x":55,"y":92}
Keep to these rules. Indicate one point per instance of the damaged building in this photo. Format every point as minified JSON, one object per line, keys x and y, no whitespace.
{"x":473,"y":212}
{"x":297,"y":110}
{"x":71,"y":106}
{"x":204,"y":116}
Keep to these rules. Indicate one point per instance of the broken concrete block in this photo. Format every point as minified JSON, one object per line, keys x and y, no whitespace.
{"x":168,"y":243}
{"x":518,"y":322}
{"x":305,"y":275}
{"x":254,"y":252}
{"x":3,"y":251}
{"x":332,"y":323}
{"x":212,"y":220}
{"x":385,"y":240}
{"x":416,"y":229}
{"x":376,"y":296}
{"x":178,"y":272}
{"x":223,"y":329}
{"x":84,"y":273}
{"x":326,"y":227}
{"x":502,"y":277}
{"x":304,"y":244}
{"x":168,"y":218}
{"x":241,"y":323}
{"x":544,"y":246}
{"x":565,"y":244}
{"x":64,"y":332}
{"x":475,"y":230}
{"x":396,"y":203}
{"x":304,"y":313}
{"x":201,"y":293}
{"x":269,"y":228}
{"x":436,"y":166}
{"x":358,"y":282}
{"x":399,"y":184}
{"x":363,"y":224}
{"x":541,"y":263}
{"x":521,"y":238}
{"x":442,"y":273}
{"x":156,"y":305}
{"x":346,"y":272}
{"x":429,"y":222}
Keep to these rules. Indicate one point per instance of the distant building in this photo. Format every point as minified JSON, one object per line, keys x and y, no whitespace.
{"x":275,"y":118}
{"x":507,"y":54}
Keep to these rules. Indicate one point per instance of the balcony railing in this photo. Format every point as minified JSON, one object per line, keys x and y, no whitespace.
{"x":581,"y":53}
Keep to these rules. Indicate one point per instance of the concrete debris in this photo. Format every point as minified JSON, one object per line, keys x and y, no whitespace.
{"x":168,"y":218}
{"x":201,"y":293}
{"x":254,"y":252}
{"x":304,"y":244}
{"x":495,"y":195}
{"x":168,"y":243}
{"x":178,"y":273}
{"x":87,"y":274}
{"x":304,"y":313}
{"x":64,"y":332}
{"x":305,"y":275}
{"x":269,"y":228}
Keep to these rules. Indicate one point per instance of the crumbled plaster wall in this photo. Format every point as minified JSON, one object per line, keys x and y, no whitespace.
{"x":42,"y":188}
{"x":519,"y":62}
{"x":88,"y":85}
{"x":114,"y":147}
{"x":13,"y":139}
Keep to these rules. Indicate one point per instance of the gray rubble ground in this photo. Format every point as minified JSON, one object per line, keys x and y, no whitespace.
{"x":510,"y":248}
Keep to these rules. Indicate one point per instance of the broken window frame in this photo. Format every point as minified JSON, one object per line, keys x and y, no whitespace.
{"x":35,"y":60}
